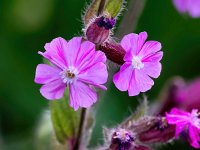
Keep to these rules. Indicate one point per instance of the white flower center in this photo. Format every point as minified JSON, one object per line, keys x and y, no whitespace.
{"x":194,"y":118}
{"x":69,"y":75}
{"x":137,"y":63}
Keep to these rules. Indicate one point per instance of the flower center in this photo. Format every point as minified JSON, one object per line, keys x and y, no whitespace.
{"x":69,"y":75}
{"x":194,"y":118}
{"x":137,"y":63}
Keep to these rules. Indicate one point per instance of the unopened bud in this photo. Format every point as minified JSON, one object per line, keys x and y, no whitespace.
{"x":99,"y":30}
{"x":161,"y":132}
{"x":122,"y":140}
{"x":113,"y":52}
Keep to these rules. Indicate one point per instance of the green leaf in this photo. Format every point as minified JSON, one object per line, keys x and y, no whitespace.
{"x":113,"y":7}
{"x":65,"y":120}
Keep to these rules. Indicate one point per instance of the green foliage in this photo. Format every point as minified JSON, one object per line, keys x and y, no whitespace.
{"x":65,"y":120}
{"x":113,"y":7}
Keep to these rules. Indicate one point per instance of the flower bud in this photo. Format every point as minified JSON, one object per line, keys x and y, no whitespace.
{"x":113,"y":51}
{"x":99,"y":30}
{"x":159,"y":133}
{"x":122,"y":140}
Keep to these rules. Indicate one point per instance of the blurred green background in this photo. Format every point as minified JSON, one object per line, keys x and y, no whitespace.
{"x":26,"y":25}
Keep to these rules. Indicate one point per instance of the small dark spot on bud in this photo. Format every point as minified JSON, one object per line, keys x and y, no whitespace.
{"x":110,"y":23}
{"x":100,"y":21}
{"x":107,"y":23}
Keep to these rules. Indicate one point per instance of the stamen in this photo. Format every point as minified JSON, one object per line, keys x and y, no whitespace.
{"x":69,"y":75}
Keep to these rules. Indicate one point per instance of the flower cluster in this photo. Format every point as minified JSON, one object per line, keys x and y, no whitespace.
{"x":77,"y":65}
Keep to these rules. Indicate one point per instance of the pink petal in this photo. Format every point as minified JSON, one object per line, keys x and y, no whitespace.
{"x":87,"y":49}
{"x":73,"y":102}
{"x":156,"y":57}
{"x":55,"y":52}
{"x":194,"y":8}
{"x":143,"y":81}
{"x":150,"y":47}
{"x":141,"y":40}
{"x":181,"y":5}
{"x":153,"y":69}
{"x":45,"y":74}
{"x":122,"y":78}
{"x":91,"y":59}
{"x":177,"y":116}
{"x":180,"y":127}
{"x":129,"y":41}
{"x":96,"y":74}
{"x":72,"y":50}
{"x":53,"y":90}
{"x":179,"y":112}
{"x":133,"y":89}
{"x":194,"y":136}
{"x":81,"y":95}
{"x":132,"y":43}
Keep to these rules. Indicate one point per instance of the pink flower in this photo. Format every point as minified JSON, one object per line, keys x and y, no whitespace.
{"x":142,"y":61}
{"x":186,"y":121}
{"x":75,"y":64}
{"x":190,"y":6}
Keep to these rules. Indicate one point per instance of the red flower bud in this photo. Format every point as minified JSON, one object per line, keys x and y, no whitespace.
{"x":113,"y":51}
{"x":99,"y":30}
